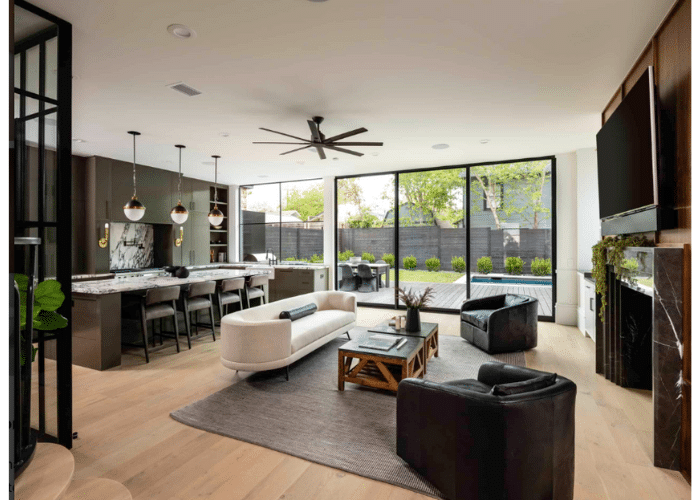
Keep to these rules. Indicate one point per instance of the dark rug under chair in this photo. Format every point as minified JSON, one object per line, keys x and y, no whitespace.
{"x":309,"y":418}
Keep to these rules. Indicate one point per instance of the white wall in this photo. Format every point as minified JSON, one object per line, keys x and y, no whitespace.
{"x":566,"y":303}
{"x":588,"y":218}
{"x":329,"y":229}
{"x":233,"y":224}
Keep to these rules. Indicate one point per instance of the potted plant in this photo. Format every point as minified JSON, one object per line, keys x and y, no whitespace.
{"x":414,"y":302}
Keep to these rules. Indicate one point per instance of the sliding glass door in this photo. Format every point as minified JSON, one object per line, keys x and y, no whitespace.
{"x":467,"y":231}
{"x":511,"y":237}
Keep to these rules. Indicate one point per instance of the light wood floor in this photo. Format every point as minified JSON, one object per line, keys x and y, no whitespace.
{"x":126,"y":434}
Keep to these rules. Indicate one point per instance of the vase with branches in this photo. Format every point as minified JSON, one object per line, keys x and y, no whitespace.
{"x":415,"y":301}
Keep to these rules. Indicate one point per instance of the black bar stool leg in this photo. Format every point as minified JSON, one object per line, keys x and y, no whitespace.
{"x":177,"y":333}
{"x":144,"y":332}
{"x":188,"y":327}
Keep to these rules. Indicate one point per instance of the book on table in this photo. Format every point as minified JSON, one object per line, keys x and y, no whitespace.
{"x":380,"y":342}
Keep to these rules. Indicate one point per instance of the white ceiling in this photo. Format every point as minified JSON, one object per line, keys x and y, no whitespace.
{"x":530,"y":75}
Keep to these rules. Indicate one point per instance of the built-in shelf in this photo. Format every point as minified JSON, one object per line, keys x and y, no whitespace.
{"x":218,"y":231}
{"x":219,"y":202}
{"x":218,"y":244}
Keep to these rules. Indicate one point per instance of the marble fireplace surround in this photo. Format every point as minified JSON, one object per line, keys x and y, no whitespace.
{"x":660,"y":276}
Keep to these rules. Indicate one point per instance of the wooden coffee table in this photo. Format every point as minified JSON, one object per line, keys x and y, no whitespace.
{"x":376,"y":368}
{"x":428,"y":332}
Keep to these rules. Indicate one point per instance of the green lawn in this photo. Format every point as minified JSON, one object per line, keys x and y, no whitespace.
{"x":425,"y":276}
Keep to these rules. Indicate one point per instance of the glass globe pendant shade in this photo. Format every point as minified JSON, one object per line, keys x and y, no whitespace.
{"x":216,"y":216}
{"x":134,"y":210}
{"x":179,"y":213}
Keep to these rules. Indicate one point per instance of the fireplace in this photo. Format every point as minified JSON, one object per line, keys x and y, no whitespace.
{"x":640,"y":343}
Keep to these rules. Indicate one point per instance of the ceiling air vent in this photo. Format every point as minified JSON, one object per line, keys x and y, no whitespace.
{"x":183,"y":88}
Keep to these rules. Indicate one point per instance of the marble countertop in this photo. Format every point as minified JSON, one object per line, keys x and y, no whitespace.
{"x":135,"y":283}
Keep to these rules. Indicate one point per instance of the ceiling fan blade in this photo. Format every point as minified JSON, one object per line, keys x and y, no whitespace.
{"x":346,"y":134}
{"x":321,"y":152}
{"x":293,"y":150}
{"x":342,"y":150}
{"x":357,"y":144}
{"x":282,"y":133}
{"x":307,"y":142}
{"x":315,"y":133}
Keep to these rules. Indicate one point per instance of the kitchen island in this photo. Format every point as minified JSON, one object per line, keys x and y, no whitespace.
{"x":97,"y":325}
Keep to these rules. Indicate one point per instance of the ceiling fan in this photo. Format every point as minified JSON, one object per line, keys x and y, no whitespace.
{"x":320,"y":142}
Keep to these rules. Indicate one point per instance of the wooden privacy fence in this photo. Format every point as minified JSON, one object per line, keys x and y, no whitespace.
{"x":432,"y":241}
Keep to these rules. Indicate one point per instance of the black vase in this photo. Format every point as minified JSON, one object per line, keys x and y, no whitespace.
{"x":412,"y":319}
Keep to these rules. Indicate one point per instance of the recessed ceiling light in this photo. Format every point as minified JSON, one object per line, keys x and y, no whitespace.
{"x":181,"y":31}
{"x":75,"y":139}
{"x":300,"y":162}
{"x":335,"y":158}
{"x":484,"y":141}
{"x":224,"y":134}
{"x":441,"y":146}
{"x":263,"y":176}
{"x":376,"y":153}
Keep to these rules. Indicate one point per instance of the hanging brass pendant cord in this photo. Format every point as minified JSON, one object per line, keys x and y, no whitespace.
{"x":216,"y":177}
{"x":134,"y":135}
{"x":179,"y":179}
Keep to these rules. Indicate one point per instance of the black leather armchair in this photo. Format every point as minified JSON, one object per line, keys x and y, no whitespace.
{"x":475,"y":445}
{"x":501,"y":323}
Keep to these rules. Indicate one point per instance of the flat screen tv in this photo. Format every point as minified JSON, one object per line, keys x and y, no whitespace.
{"x":628,"y":175}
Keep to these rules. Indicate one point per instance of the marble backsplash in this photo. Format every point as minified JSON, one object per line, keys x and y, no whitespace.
{"x":130,"y":246}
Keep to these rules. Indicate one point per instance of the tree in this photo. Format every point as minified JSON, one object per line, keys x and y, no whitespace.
{"x":512,"y":188}
{"x":364,"y":220}
{"x":308,"y":203}
{"x":437,"y":192}
{"x":349,"y":191}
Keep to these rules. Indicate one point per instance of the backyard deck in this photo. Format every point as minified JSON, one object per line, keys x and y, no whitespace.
{"x":451,"y":295}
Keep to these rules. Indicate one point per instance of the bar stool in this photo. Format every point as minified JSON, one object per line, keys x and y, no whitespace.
{"x":157,"y":303}
{"x":229,"y":292}
{"x":195,"y":297}
{"x":255,"y":290}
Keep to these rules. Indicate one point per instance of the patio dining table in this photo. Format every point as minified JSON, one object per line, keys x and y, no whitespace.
{"x":379,"y":268}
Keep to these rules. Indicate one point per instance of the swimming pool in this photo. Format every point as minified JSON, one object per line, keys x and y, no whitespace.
{"x":512,"y":281}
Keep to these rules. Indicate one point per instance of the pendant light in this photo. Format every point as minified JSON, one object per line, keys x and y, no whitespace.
{"x":216,"y":216}
{"x":134,"y":209}
{"x":179,"y":213}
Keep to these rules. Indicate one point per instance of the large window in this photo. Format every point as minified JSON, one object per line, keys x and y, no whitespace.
{"x":282,"y":221}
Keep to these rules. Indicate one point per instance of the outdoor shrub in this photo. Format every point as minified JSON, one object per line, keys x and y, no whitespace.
{"x":433,"y":264}
{"x":541,"y":267}
{"x":484,"y":265}
{"x":389,"y":259}
{"x":315,"y":259}
{"x":514,"y":265}
{"x":343,"y":256}
{"x":410,"y":262}
{"x":291,"y":258}
{"x":368,"y":257}
{"x":458,"y":264}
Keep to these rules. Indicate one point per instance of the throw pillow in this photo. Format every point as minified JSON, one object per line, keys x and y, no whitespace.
{"x":530,"y":385}
{"x":299,"y":312}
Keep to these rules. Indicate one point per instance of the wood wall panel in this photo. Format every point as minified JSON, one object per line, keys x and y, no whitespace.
{"x":669,"y":52}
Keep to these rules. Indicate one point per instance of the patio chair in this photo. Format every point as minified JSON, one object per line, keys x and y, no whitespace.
{"x":347,"y":281}
{"x":367,"y":281}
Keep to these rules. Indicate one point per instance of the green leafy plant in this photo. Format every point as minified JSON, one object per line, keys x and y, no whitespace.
{"x":611,"y":250}
{"x":410,"y":262}
{"x":484,"y":265}
{"x":315,"y":259}
{"x":344,"y":256}
{"x":48,"y":297}
{"x":514,"y":265}
{"x":458,"y":264}
{"x":541,"y":267}
{"x":414,"y":300}
{"x":368,"y":257}
{"x":389,"y":259}
{"x":433,"y":264}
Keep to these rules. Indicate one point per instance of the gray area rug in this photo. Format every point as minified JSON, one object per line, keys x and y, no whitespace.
{"x":309,"y":418}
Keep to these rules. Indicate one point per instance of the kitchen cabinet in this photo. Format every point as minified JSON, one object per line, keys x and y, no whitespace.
{"x":122,"y":189}
{"x":200,"y":196}
{"x":290,"y":282}
{"x":103,"y":188}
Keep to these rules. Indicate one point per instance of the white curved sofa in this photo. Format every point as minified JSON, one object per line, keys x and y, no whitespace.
{"x":257,"y":340}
